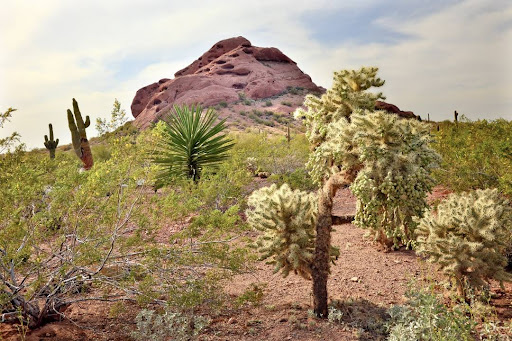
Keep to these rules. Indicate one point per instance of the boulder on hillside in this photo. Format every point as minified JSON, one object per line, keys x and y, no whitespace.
{"x":230,"y":70}
{"x":391,"y":108}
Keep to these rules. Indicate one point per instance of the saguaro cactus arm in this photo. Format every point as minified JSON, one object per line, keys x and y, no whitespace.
{"x":50,"y":143}
{"x":79,"y":136}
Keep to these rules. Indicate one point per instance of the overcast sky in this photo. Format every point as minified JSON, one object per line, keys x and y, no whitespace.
{"x":436,"y":56}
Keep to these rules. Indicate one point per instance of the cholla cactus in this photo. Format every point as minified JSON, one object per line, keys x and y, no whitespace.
{"x":393,"y":184}
{"x":466,"y":237}
{"x":287,"y":219}
{"x":394,"y":160}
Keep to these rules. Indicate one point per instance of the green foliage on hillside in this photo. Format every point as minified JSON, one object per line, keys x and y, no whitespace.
{"x":63,"y":231}
{"x":475,"y":154}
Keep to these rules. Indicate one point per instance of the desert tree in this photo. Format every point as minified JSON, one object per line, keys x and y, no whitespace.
{"x":117,"y":119}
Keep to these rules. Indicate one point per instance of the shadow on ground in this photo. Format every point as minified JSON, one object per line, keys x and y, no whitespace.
{"x":366,"y":317}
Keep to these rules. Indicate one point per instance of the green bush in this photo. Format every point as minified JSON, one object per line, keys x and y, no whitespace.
{"x":425,"y":317}
{"x":152,"y":326}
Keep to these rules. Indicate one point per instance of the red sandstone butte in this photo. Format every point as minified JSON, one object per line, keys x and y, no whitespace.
{"x":231,"y":67}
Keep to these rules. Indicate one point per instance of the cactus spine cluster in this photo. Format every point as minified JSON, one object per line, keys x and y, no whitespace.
{"x":79,"y":136}
{"x":50,"y":143}
{"x":287,"y":219}
{"x":466,"y":237}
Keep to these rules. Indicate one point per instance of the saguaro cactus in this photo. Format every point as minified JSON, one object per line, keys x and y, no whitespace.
{"x":79,"y":136}
{"x":50,"y":143}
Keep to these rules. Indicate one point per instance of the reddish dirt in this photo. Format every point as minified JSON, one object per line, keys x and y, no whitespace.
{"x":364,"y":282}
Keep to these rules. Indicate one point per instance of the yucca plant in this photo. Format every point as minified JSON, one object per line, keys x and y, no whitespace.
{"x":190,"y":140}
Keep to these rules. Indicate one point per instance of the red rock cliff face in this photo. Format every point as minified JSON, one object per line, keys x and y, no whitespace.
{"x":230,"y":67}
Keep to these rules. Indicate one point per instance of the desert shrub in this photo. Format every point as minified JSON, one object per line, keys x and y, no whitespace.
{"x":297,"y":179}
{"x":271,"y":153}
{"x":466,"y":237}
{"x":11,"y":141}
{"x":268,"y":103}
{"x":101,"y":152}
{"x":428,"y":316}
{"x":425,"y":317}
{"x":258,"y":113}
{"x":476,"y":155}
{"x":252,"y":295}
{"x":294,"y":90}
{"x":153,"y":326}
{"x":288,"y":104}
{"x":269,"y":123}
{"x":223,"y":104}
{"x":60,"y":213}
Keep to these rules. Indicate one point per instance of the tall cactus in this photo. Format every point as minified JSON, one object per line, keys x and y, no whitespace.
{"x":51,"y":144}
{"x":79,"y":136}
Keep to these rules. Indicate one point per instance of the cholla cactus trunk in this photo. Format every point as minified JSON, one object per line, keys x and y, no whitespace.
{"x":320,"y":266}
{"x":79,"y":136}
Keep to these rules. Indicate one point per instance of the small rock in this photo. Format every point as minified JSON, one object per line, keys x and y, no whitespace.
{"x":283,"y":319}
{"x":354,"y":279}
{"x":232,"y":320}
{"x":263,"y":175}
